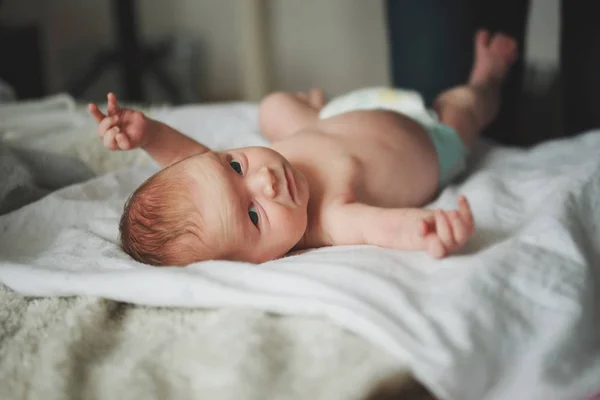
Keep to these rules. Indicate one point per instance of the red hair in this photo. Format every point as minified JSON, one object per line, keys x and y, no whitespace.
{"x":161,"y":224}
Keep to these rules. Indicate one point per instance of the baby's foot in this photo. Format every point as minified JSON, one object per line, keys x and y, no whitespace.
{"x":314,"y":98}
{"x":493,"y":57}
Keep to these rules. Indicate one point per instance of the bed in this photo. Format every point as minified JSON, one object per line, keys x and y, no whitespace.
{"x":513,"y":316}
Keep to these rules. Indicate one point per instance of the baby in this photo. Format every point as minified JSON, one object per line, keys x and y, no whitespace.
{"x":353,"y":171}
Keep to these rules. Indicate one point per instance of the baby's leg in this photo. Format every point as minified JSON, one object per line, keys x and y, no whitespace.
{"x":282,"y":114}
{"x":470,"y":108}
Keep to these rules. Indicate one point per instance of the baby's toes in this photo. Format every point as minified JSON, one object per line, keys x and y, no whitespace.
{"x":482,"y":39}
{"x":503,"y":46}
{"x":302,"y":96}
{"x":316,"y":98}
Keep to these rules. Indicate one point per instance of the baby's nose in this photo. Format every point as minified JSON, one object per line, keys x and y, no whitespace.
{"x":265,"y":182}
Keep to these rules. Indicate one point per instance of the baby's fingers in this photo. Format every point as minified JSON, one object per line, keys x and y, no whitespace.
{"x":122,"y":141}
{"x":95,"y":112}
{"x":461,"y":231}
{"x":109,"y":138}
{"x":112,"y":104}
{"x":106,"y":124}
{"x":464,"y":209}
{"x":435,"y":247}
{"x":444,"y":229}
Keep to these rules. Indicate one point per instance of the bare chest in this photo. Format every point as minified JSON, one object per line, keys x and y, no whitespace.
{"x":380,"y":159}
{"x":331,"y":168}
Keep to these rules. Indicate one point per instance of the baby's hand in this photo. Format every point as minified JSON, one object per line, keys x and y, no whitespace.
{"x":121,"y":128}
{"x":444,"y":232}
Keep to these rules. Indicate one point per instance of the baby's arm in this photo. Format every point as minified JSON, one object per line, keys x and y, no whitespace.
{"x":168,"y":146}
{"x":438,"y":232}
{"x":126,"y":129}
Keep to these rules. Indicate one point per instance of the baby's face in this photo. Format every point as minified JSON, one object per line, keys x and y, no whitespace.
{"x":251,"y":199}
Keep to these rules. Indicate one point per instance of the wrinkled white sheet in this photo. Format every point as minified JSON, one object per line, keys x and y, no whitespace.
{"x":515,"y":316}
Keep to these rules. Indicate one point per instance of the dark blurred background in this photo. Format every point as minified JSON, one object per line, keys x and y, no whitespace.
{"x":184,"y":51}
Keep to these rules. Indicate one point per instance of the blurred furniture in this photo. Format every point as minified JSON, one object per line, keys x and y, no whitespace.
{"x":254,"y":46}
{"x":132,"y":58}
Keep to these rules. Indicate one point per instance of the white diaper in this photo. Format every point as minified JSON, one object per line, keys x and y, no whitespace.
{"x":404,"y":101}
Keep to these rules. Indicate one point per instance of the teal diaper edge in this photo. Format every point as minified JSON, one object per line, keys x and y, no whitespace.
{"x":451,"y":152}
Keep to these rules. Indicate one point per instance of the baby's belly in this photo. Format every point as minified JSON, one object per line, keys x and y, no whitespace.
{"x":398,"y":163}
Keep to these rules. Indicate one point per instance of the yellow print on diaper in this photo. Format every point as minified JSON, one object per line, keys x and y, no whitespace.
{"x":390,"y":95}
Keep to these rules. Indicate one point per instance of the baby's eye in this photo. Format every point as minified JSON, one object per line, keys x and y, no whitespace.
{"x":253,"y":214}
{"x":237,"y":167}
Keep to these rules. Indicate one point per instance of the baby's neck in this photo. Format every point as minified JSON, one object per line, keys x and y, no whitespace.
{"x":312,"y":236}
{"x":306,"y":165}
{"x":301,"y":245}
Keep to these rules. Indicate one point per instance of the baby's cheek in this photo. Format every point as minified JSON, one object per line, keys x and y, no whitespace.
{"x":294,"y":225}
{"x":300,"y":222}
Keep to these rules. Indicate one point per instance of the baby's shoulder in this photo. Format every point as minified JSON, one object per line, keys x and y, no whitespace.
{"x":336,"y":177}
{"x":319,"y":142}
{"x":326,"y":155}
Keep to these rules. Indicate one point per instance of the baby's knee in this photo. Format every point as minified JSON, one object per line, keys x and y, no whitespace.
{"x":274,"y":101}
{"x":270,"y":107}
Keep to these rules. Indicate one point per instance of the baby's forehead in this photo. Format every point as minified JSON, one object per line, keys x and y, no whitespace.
{"x":212,"y":178}
{"x":216,"y":194}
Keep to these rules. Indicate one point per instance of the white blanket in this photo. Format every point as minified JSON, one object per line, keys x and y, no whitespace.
{"x":515,"y":316}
